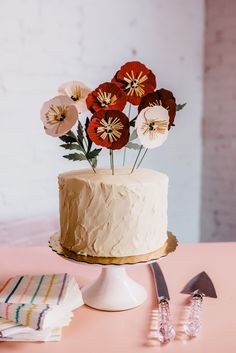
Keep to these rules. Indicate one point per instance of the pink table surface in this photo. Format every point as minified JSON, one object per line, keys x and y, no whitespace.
{"x":126,"y":332}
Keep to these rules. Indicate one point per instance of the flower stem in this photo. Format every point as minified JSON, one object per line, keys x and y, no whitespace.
{"x":136,"y":160}
{"x":142,"y":158}
{"x":112,"y":161}
{"x":82,"y":147}
{"x":91,"y":165}
{"x":124,"y":156}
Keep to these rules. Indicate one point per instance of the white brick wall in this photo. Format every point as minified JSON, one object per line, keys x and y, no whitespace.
{"x":219,"y":124}
{"x":46,"y":42}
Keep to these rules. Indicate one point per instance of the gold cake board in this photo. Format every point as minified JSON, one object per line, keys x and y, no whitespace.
{"x":168,"y":247}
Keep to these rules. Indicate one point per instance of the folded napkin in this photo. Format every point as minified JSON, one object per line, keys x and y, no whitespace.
{"x":10,"y":331}
{"x":38,"y":303}
{"x":38,"y":317}
{"x":52,"y":289}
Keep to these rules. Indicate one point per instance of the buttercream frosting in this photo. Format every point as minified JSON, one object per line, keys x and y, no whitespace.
{"x":113,"y":215}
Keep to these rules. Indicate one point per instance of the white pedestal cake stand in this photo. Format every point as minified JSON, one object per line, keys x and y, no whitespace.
{"x":114,"y":290}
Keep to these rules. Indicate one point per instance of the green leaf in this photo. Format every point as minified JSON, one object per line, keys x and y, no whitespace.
{"x":71,"y":134}
{"x":94,"y":162}
{"x":132,"y":122}
{"x":133,"y":146}
{"x":133,"y":136}
{"x":71,"y":146}
{"x":67,"y":139}
{"x":94,"y":153}
{"x":80,"y":133}
{"x":180,"y":106}
{"x":75,"y":157}
{"x":87,"y":136}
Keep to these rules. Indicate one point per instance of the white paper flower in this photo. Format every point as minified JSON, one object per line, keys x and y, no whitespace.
{"x":58,"y":115}
{"x":78,"y":92}
{"x":152,"y":126}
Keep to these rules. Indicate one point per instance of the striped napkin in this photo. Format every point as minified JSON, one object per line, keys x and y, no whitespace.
{"x":46,"y":289}
{"x":39,"y":303}
{"x":11,"y":331}
{"x":38,"y":317}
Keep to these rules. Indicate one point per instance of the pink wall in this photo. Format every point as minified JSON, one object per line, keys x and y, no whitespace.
{"x":219,"y":123}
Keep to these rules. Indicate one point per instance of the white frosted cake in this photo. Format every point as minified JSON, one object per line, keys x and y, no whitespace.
{"x":119,"y":215}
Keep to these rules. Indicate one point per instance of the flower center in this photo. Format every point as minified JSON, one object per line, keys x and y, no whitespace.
{"x":110,"y":129}
{"x":56,"y":114}
{"x":74,"y":93}
{"x":153,"y":127}
{"x":135,"y":84}
{"x":157,"y":102}
{"x":105,"y":99}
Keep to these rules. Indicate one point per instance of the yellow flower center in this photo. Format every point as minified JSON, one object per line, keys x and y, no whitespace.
{"x":56,"y":114}
{"x":153,"y":127}
{"x":110,"y":129}
{"x":74,"y":93}
{"x":105,"y":99}
{"x":157,"y":102}
{"x":135,"y":84}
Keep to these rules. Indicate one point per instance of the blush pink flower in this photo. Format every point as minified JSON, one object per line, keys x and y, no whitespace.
{"x":58,"y":115}
{"x":78,"y":92}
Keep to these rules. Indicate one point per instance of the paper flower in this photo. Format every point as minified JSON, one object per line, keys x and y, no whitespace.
{"x":136,"y":80}
{"x":78,"y":92}
{"x":58,"y":115}
{"x":109,"y":128}
{"x":152,"y":126}
{"x":107,"y":96}
{"x":161,"y":97}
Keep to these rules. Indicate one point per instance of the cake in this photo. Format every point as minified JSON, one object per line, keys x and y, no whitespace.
{"x":104,"y":215}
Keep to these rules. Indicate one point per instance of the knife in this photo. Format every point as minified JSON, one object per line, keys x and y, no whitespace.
{"x":164,"y":329}
{"x":199,"y":286}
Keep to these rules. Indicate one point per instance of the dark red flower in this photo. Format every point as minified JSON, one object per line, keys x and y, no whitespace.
{"x":107,"y":96}
{"x":109,"y":128}
{"x":161,"y":97}
{"x":136,"y":80}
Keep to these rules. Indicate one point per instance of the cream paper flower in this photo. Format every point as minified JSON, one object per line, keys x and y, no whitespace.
{"x":58,"y":115}
{"x":152,"y":126}
{"x":78,"y":92}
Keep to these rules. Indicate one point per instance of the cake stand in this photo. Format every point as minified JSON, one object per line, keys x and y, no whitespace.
{"x":114,"y":290}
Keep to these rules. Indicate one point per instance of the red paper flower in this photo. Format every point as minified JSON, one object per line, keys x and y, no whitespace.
{"x":161,"y":97}
{"x":136,"y":80}
{"x":107,"y":96}
{"x":109,"y":128}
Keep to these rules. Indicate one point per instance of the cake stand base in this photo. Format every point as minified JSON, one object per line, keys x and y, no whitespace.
{"x":114,"y":290}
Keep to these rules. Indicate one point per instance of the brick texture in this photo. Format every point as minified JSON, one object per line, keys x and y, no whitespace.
{"x":219,"y":123}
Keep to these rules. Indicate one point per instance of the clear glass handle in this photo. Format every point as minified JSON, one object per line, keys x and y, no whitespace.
{"x":193,"y":324}
{"x":165,"y":331}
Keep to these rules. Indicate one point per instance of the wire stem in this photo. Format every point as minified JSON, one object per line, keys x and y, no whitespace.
{"x":142,"y":158}
{"x":136,"y":160}
{"x":124,"y":155}
{"x":112,"y":159}
{"x":112,"y":162}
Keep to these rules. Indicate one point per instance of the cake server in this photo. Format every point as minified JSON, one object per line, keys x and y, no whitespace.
{"x":199,"y":286}
{"x":164,"y":330}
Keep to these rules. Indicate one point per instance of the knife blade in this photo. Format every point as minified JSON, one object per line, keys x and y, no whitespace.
{"x":199,"y":286}
{"x":164,"y":328}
